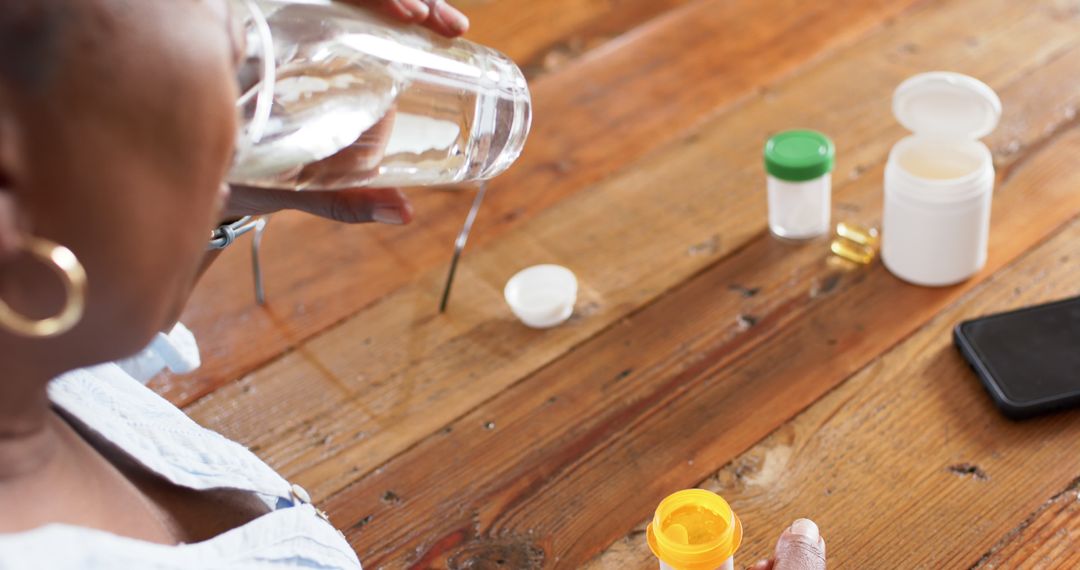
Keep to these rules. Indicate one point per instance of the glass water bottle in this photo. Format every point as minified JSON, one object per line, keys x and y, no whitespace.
{"x":334,"y":96}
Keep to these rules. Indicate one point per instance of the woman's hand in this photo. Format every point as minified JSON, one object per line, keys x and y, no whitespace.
{"x":800,"y":548}
{"x":358,"y":205}
{"x":351,"y":206}
{"x":434,"y":14}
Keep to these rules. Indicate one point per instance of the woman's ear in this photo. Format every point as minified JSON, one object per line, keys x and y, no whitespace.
{"x":11,"y":235}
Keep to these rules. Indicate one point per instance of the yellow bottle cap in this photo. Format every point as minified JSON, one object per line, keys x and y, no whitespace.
{"x":694,"y":530}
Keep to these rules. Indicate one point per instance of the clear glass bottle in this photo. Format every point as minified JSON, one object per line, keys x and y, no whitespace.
{"x":351,"y":98}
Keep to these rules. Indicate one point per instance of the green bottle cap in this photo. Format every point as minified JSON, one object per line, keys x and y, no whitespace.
{"x":797,"y":156}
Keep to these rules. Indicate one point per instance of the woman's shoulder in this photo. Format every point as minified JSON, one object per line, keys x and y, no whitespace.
{"x":112,"y":401}
{"x":120,"y":409}
{"x":116,"y":406}
{"x":287,"y":538}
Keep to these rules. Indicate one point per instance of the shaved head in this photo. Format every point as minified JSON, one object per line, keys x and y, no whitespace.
{"x":31,"y":34}
{"x":117,"y":119}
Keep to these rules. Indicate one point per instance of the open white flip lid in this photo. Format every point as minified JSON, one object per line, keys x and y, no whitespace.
{"x":947,"y":105}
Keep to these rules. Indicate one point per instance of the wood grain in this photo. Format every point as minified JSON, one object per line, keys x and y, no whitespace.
{"x":659,"y":388}
{"x":908,"y":464}
{"x":1047,"y":539}
{"x":355,"y":397}
{"x":596,"y":116}
{"x":545,"y":36}
{"x":467,"y":441}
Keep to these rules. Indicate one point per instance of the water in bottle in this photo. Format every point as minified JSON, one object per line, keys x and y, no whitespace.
{"x":360,"y":100}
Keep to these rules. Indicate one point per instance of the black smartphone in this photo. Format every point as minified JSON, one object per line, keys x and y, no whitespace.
{"x":1028,"y":359}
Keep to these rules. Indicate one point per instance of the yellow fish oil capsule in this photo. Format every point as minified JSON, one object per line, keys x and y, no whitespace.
{"x":861,"y":235}
{"x":851,"y":251}
{"x":855,"y":243}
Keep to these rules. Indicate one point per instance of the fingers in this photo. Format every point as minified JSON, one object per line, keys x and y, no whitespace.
{"x":445,"y":19}
{"x":354,"y":164}
{"x":415,"y":11}
{"x":352,"y":206}
{"x":436,"y":15}
{"x":355,"y":206}
{"x":762,"y":565}
{"x":800,"y":548}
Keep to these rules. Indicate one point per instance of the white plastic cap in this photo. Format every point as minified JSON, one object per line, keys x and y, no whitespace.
{"x":947,"y":105}
{"x":542,"y":296}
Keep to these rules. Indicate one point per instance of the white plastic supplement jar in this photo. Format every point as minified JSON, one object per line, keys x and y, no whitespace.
{"x":799,"y":165}
{"x":939,"y":181}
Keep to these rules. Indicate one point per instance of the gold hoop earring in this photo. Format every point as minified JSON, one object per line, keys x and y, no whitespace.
{"x":71,"y":272}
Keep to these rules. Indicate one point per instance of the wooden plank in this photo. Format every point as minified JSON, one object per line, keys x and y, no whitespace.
{"x":1046,"y":540}
{"x":544,"y":36}
{"x":583,"y":448}
{"x":353,"y":398}
{"x":908,"y":464}
{"x":596,"y":116}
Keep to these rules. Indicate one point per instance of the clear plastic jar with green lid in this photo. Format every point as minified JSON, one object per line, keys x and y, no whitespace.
{"x":799,"y":164}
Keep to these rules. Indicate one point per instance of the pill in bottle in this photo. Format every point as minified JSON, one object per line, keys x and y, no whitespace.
{"x":799,"y":165}
{"x":939,"y":181}
{"x":694,"y":529}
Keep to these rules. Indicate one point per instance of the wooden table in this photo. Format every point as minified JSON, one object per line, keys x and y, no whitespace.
{"x":703,"y":351}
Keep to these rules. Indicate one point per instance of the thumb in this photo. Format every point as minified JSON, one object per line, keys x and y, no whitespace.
{"x":352,"y":206}
{"x":800,"y":547}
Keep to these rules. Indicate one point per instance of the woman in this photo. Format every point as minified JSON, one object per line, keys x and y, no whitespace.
{"x":117,"y":125}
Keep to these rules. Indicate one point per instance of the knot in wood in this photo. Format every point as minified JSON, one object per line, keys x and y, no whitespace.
{"x":516,"y":553}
